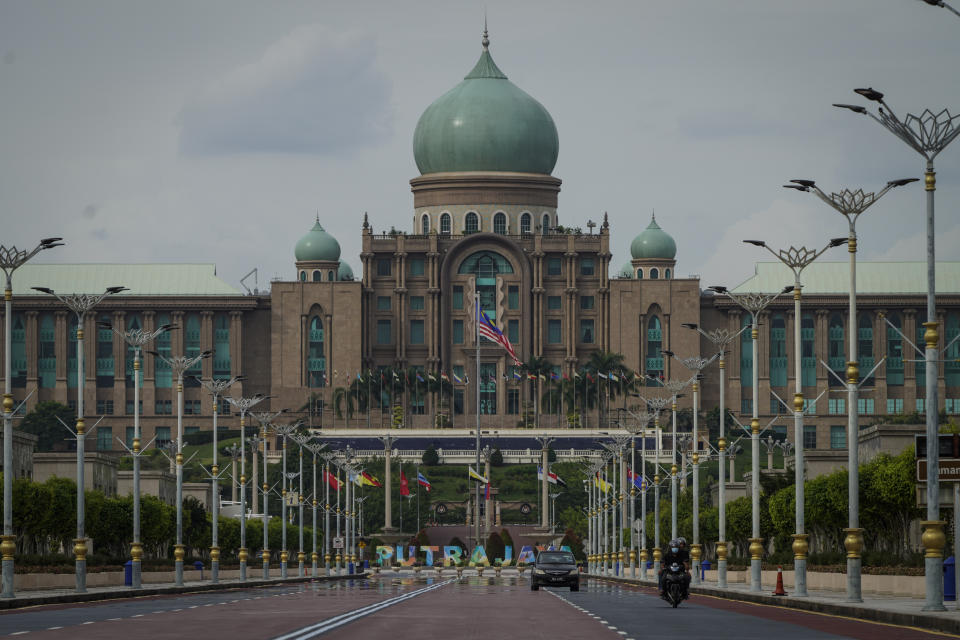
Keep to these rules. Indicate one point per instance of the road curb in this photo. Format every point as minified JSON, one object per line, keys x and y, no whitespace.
{"x":21,"y":602}
{"x":921,"y":620}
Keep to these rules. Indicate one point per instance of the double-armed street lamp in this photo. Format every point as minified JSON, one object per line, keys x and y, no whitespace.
{"x":179,"y":365}
{"x":928,"y":134}
{"x":328,"y":457}
{"x":301,"y":440}
{"x":797,"y":259}
{"x":137,"y":339}
{"x":266,"y":418}
{"x":315,"y":448}
{"x":656,"y":405}
{"x":80,"y":304}
{"x":284,"y":431}
{"x":754,"y":304}
{"x":11,"y":258}
{"x":216,"y":387}
{"x":243,"y":405}
{"x":850,"y":204}
{"x":941,"y":3}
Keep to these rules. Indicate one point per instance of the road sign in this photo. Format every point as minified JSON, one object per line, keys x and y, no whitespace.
{"x":338,"y":543}
{"x":949,"y":470}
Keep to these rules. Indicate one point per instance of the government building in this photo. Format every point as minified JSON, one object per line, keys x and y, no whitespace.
{"x":485,"y":225}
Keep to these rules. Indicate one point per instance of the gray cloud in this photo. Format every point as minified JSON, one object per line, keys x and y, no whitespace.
{"x":314,"y":91}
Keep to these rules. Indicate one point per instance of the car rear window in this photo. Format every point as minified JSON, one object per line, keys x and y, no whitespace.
{"x":556,"y":558}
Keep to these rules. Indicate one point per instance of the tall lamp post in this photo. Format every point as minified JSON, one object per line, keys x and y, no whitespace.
{"x":284,"y":431}
{"x":179,"y":365}
{"x":656,"y":406}
{"x":266,"y":418}
{"x":928,"y":134}
{"x":80,"y":304}
{"x":721,"y":338}
{"x":11,"y":259}
{"x":216,"y":387}
{"x":754,"y":304}
{"x":137,"y":339}
{"x":315,"y":448}
{"x":327,"y":458}
{"x":243,"y":405}
{"x":697,"y":364}
{"x":850,"y":204}
{"x":797,"y":259}
{"x":673,"y":387}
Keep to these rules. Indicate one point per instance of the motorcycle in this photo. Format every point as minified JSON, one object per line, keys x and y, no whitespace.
{"x":673,"y":580}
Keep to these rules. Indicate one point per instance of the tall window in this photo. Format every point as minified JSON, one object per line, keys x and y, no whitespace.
{"x":488,"y":388}
{"x":471,"y":224}
{"x":778,"y":351}
{"x":554,"y":267}
{"x":425,"y":224}
{"x":865,"y":342}
{"x":554,"y":332}
{"x":809,"y":436}
{"x":918,"y":364}
{"x":500,"y":223}
{"x":458,"y":332}
{"x":416,"y":266}
{"x":654,"y":273}
{"x":513,"y":331}
{"x":46,"y":352}
{"x":513,"y":297}
{"x":221,"y":346}
{"x":654,"y":344}
{"x":317,"y":276}
{"x":639,"y":274}
{"x":104,"y":355}
{"x":384,"y":332}
{"x":416,"y":331}
{"x":586,"y":330}
{"x":586,"y":266}
{"x":485,"y":266}
{"x":746,"y":353}
{"x":457,"y":297}
{"x":838,"y":437}
{"x":808,"y":358}
{"x":384,"y":266}
{"x":837,"y":354}
{"x":71,"y":351}
{"x":133,"y":323}
{"x":952,"y":366}
{"x":104,"y":438}
{"x":383,"y":303}
{"x":445,"y":223}
{"x":666,"y":274}
{"x":316,"y":360}
{"x":525,"y":221}
{"x":545,"y":223}
{"x":894,"y":362}
{"x":162,"y":373}
{"x":192,"y":348}
{"x":18,"y":351}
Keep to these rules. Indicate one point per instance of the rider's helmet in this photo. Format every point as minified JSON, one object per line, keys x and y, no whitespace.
{"x":682,"y":541}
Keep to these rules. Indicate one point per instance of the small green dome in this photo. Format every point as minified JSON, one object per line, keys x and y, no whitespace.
{"x":626,"y":271}
{"x":344,"y":272}
{"x":653,"y":242}
{"x":486,"y":123}
{"x":317,"y":245}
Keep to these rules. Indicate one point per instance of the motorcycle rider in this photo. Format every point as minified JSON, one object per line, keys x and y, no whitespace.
{"x":676,"y":552}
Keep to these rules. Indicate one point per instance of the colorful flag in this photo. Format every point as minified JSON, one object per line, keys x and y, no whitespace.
{"x":370,"y":480}
{"x":423,"y":482}
{"x":404,"y":487}
{"x":476,"y":476}
{"x":614,"y":377}
{"x":420,"y":378}
{"x":334,"y":483}
{"x":431,"y":377}
{"x":490,"y":332}
{"x":516,"y":375}
{"x":603,"y":484}
{"x":554,"y":375}
{"x":486,"y":492}
{"x":635,"y":479}
{"x":457,"y":379}
{"x":552,"y":478}
{"x":444,"y":377}
{"x":602,"y":375}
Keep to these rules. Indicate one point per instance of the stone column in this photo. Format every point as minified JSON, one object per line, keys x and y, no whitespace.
{"x":387,"y":485}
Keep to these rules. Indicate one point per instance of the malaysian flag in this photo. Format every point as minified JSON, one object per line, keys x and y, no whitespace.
{"x":490,"y":332}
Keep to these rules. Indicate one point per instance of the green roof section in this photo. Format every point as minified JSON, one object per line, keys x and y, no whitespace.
{"x":140,"y":279}
{"x":827,"y":278}
{"x":317,"y":245}
{"x":653,"y":242}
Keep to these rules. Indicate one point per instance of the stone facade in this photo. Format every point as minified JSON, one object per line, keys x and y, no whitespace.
{"x":99,"y":470}
{"x":23,"y":446}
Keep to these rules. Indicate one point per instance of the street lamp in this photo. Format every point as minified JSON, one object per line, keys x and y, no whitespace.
{"x":928,"y":134}
{"x":179,"y":365}
{"x":137,"y":338}
{"x":697,"y":364}
{"x":11,"y":259}
{"x":266,"y":418}
{"x":284,"y":431}
{"x":850,"y":204}
{"x":328,"y":457}
{"x":244,"y":405}
{"x":301,"y":441}
{"x":315,"y":448}
{"x":673,"y":387}
{"x":797,"y":259}
{"x":80,"y":304}
{"x":216,"y":388}
{"x":642,"y":420}
{"x":721,"y":338}
{"x":656,"y":406}
{"x":941,"y":3}
{"x":754,"y":304}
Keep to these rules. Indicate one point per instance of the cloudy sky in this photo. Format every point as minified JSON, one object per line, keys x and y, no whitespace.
{"x":214,"y":131}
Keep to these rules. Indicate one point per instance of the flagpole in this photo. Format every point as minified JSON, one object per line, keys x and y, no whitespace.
{"x":476,"y":311}
{"x":418,"y":498}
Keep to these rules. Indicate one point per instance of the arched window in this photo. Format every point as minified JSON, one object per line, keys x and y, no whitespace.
{"x":808,"y":358}
{"x":778,"y":351}
{"x":471,"y":224}
{"x":666,"y":274}
{"x":654,"y":344}
{"x":485,"y":265}
{"x":46,"y":352}
{"x":445,"y":223}
{"x":525,"y":220}
{"x":894,"y":362}
{"x":500,"y":223}
{"x":317,"y":276}
{"x":952,"y":366}
{"x":316,"y":361}
{"x":639,"y":274}
{"x":746,"y":353}
{"x":654,"y":273}
{"x":303,"y":276}
{"x":837,"y":354}
{"x":330,"y":276}
{"x":545,"y":222}
{"x":425,"y":224}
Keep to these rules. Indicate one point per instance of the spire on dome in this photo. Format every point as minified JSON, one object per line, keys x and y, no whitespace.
{"x":486,"y":40}
{"x":485,"y":67}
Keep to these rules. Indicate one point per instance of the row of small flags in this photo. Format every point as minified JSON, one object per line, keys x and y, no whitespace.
{"x":611,"y":376}
{"x":635,"y":479}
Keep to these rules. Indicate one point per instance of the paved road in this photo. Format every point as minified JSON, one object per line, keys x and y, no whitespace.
{"x":398,"y":608}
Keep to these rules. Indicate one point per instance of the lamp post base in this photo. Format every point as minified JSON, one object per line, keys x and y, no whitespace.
{"x":178,"y":580}
{"x":283,"y":569}
{"x":136,"y":574}
{"x":854,"y":566}
{"x":243,"y":571}
{"x":933,"y":570}
{"x":799,"y":577}
{"x":214,"y":571}
{"x":7,"y":591}
{"x":81,"y":575}
{"x":722,"y":573}
{"x":755,"y":567}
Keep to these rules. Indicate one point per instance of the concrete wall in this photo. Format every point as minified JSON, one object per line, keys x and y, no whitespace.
{"x":23,"y":446}
{"x":100,"y":470}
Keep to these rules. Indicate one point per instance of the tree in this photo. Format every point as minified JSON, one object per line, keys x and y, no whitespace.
{"x":496,"y":458}
{"x":572,"y":540}
{"x":42,"y":422}
{"x":430,"y":457}
{"x":507,"y":539}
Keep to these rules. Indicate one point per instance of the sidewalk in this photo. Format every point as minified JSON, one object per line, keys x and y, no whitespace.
{"x":876,"y":608}
{"x":93,"y":594}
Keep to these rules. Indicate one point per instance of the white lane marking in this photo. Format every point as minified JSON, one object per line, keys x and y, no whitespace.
{"x":113,"y":619}
{"x":19,"y":633}
{"x":89,"y":622}
{"x":53,"y":628}
{"x":138,"y":615}
{"x":344,"y":618}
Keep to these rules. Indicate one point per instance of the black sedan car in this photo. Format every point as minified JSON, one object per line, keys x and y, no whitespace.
{"x":555,"y":569}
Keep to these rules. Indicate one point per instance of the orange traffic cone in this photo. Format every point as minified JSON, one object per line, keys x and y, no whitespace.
{"x":779,"y":590}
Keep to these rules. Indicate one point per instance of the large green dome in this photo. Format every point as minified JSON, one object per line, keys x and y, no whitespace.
{"x":316,"y":245}
{"x":653,"y":242}
{"x":344,"y":272}
{"x":626,"y":271}
{"x":486,"y":123}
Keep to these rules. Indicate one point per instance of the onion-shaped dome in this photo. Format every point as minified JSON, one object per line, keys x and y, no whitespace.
{"x":626,"y":271}
{"x":653,"y":242}
{"x":317,"y":245}
{"x":486,"y":123}
{"x":344,"y":272}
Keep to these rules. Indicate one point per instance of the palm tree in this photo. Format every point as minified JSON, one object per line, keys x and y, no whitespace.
{"x":537,"y":366}
{"x":605,"y":362}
